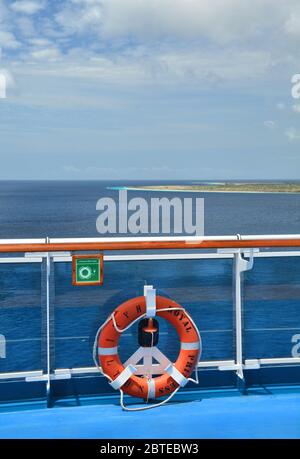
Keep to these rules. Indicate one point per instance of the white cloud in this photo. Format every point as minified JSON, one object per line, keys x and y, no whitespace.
{"x":296,"y":108}
{"x":292,"y":134}
{"x":292,"y":24}
{"x":280,"y":106}
{"x":203,"y":41}
{"x":46,"y":54}
{"x":27,"y":7}
{"x":25,"y":26}
{"x":141,"y":65}
{"x":8,"y":40}
{"x":40,"y":42}
{"x":206,"y":43}
{"x":269,"y":124}
{"x":219,"y":21}
{"x":72,"y":169}
{"x":80,"y":16}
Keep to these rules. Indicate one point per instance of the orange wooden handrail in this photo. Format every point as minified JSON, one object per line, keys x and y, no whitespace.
{"x":148,"y":245}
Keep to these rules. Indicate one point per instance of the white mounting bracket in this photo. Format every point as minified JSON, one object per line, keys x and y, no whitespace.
{"x":243,"y":263}
{"x":147,"y":354}
{"x":150,"y":295}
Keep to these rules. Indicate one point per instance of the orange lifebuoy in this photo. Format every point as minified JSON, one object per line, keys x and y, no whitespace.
{"x":188,"y":357}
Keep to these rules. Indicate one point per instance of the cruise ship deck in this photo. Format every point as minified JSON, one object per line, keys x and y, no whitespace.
{"x":264,"y":413}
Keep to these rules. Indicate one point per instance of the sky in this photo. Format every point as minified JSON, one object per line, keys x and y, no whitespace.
{"x":149,"y":89}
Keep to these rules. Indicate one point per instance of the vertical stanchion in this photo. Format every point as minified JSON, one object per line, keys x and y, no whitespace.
{"x":240,"y":265}
{"x":48,"y":384}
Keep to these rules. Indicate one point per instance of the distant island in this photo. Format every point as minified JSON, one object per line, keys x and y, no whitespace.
{"x":229,"y":187}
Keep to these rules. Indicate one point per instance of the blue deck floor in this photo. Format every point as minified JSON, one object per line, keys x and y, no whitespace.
{"x":261,"y":414}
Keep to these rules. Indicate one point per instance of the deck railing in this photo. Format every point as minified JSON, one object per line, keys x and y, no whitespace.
{"x":150,"y":243}
{"x":243,"y":252}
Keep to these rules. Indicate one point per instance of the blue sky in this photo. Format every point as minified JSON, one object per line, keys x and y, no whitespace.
{"x":149,"y":89}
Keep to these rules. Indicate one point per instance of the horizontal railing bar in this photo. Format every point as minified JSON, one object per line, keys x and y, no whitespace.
{"x":274,"y":361}
{"x":112,"y":239}
{"x":22,"y":241}
{"x":177,"y":238}
{"x":139,"y":239}
{"x":31,"y":376}
{"x":171,"y":239}
{"x":21,"y":374}
{"x":149,"y":245}
{"x":187,"y":256}
{"x":45,"y":254}
{"x":215,"y":363}
{"x":21,"y":260}
{"x":145,"y":257}
{"x":291,"y":253}
{"x":85,"y":370}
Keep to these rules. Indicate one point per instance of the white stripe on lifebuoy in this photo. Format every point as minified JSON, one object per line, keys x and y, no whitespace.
{"x":151,"y":388}
{"x":190,"y":346}
{"x":176,"y":375}
{"x":107,"y":350}
{"x":123,"y":377}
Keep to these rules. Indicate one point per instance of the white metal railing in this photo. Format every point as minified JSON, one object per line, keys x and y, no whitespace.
{"x":242,"y":260}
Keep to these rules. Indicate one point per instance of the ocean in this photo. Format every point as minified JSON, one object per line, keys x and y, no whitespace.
{"x":68,"y":209}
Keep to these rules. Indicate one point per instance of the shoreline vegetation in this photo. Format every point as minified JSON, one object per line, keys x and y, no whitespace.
{"x":225,"y":187}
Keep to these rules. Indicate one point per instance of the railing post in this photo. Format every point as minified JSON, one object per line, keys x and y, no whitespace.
{"x":48,"y":383}
{"x":240,"y":265}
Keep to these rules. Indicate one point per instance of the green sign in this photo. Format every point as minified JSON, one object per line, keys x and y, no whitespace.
{"x":87,"y":271}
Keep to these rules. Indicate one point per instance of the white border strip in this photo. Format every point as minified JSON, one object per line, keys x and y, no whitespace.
{"x":152,"y":239}
{"x":177,"y":238}
{"x":22,"y":241}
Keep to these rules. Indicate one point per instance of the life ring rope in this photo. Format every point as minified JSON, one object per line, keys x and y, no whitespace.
{"x":128,"y":371}
{"x":126,"y":328}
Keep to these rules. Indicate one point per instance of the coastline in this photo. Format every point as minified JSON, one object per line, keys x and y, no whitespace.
{"x":166,"y":189}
